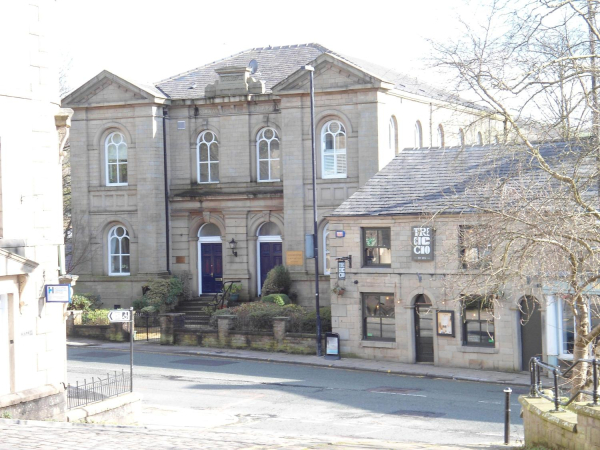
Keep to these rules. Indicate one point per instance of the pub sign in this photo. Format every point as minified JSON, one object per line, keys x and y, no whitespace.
{"x":422,"y":243}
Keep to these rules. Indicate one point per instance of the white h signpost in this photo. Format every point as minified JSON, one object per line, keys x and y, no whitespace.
{"x":119,"y":315}
{"x":125,"y":315}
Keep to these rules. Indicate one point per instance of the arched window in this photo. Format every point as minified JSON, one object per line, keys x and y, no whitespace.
{"x":461,"y":137}
{"x":479,"y":138}
{"x":209,"y":230}
{"x":418,"y":135}
{"x":333,"y":150}
{"x":118,"y":251}
{"x":326,"y":252}
{"x":116,"y":160}
{"x":392,"y":139}
{"x":269,"y":156}
{"x":207,"y":152}
{"x":440,"y":136}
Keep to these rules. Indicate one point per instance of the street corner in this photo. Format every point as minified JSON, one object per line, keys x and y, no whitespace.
{"x":198,"y":418}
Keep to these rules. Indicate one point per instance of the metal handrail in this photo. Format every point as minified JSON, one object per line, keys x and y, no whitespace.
{"x":223,"y":294}
{"x":537,"y":389}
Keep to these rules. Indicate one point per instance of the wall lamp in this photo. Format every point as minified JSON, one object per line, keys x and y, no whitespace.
{"x":232,"y":246}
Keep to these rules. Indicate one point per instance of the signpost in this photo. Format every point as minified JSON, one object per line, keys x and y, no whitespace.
{"x":119,"y":315}
{"x":125,"y":315}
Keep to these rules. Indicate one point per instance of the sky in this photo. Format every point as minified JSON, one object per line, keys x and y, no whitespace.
{"x":152,"y":40}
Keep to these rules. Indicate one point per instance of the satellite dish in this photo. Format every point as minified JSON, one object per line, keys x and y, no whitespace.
{"x":254,"y":66}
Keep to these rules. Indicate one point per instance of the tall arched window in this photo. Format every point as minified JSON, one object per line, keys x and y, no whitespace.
{"x":326,"y":252}
{"x":118,"y":251}
{"x":418,"y":135}
{"x":269,"y":155}
{"x":479,"y":138}
{"x":461,"y":137}
{"x":440,"y":136}
{"x":333,"y":150}
{"x":207,"y":153}
{"x":392,"y":140}
{"x":116,"y":160}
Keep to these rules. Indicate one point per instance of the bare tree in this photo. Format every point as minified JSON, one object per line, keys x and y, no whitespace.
{"x":535,"y":200}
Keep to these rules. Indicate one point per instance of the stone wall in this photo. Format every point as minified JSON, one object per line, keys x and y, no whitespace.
{"x":122,"y":410}
{"x":117,"y":331}
{"x":41,"y":403}
{"x":279,"y":340}
{"x":576,"y":428}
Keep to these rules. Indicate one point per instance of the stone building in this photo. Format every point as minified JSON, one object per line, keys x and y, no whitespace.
{"x":32,"y":132}
{"x":166,"y":177}
{"x":404,"y":231}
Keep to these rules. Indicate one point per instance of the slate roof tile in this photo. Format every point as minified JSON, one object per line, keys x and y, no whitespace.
{"x":277,"y":63}
{"x":431,"y":180}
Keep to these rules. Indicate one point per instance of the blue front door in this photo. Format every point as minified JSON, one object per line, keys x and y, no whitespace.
{"x":271,"y":255}
{"x":212,"y":267}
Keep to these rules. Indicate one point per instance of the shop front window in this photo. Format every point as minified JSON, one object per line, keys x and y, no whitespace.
{"x":379,"y":317}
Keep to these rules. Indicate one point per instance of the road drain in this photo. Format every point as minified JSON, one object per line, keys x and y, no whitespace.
{"x":418,"y":413}
{"x":392,"y":390}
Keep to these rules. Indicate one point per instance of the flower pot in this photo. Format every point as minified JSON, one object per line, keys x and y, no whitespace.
{"x":234,"y":297}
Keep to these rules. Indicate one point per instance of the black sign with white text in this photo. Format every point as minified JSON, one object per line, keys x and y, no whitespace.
{"x":422,"y":243}
{"x":341,"y":270}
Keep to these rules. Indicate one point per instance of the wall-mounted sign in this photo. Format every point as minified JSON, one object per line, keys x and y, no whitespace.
{"x":58,"y":293}
{"x":422,"y":243}
{"x":340,"y":234}
{"x":294,"y":257}
{"x":341,"y":270}
{"x":445,"y":323}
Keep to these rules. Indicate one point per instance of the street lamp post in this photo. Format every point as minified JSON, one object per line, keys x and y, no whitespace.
{"x":311,"y":71}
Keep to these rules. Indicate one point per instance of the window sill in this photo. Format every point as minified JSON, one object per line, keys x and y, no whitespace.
{"x":378,"y":344}
{"x":468,"y":349}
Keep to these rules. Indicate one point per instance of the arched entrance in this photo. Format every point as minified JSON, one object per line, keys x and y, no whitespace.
{"x":210,"y":257}
{"x":531,"y":330}
{"x":270,"y":250}
{"x":423,"y":328}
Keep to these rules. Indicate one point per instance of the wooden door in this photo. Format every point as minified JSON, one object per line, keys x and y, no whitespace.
{"x":531,"y":330}
{"x":271,"y":255}
{"x":424,"y":329}
{"x":212,"y":267}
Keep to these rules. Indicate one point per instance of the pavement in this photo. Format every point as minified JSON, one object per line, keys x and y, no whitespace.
{"x":365,"y":365}
{"x":28,"y":434}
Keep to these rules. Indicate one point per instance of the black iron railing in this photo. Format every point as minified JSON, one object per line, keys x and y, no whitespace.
{"x":98,"y":389}
{"x":537,"y":389}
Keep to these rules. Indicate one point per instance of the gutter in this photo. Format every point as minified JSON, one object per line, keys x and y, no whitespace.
{"x":167,"y":229}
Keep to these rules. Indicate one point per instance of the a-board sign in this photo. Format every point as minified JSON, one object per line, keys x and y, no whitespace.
{"x":341,"y":270}
{"x":294,"y":257}
{"x":422,"y":243}
{"x":119,"y":315}
{"x":58,"y":293}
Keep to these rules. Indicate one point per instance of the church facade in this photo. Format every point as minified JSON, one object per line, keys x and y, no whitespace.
{"x":209,"y":172}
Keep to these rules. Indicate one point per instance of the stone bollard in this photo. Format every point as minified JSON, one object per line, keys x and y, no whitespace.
{"x":74,"y":318}
{"x":224,"y":323}
{"x":280,"y":327}
{"x":167,"y":327}
{"x":118,"y":332}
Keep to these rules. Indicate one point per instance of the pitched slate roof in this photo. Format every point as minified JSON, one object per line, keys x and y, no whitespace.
{"x":433,"y":180}
{"x":277,"y":63}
